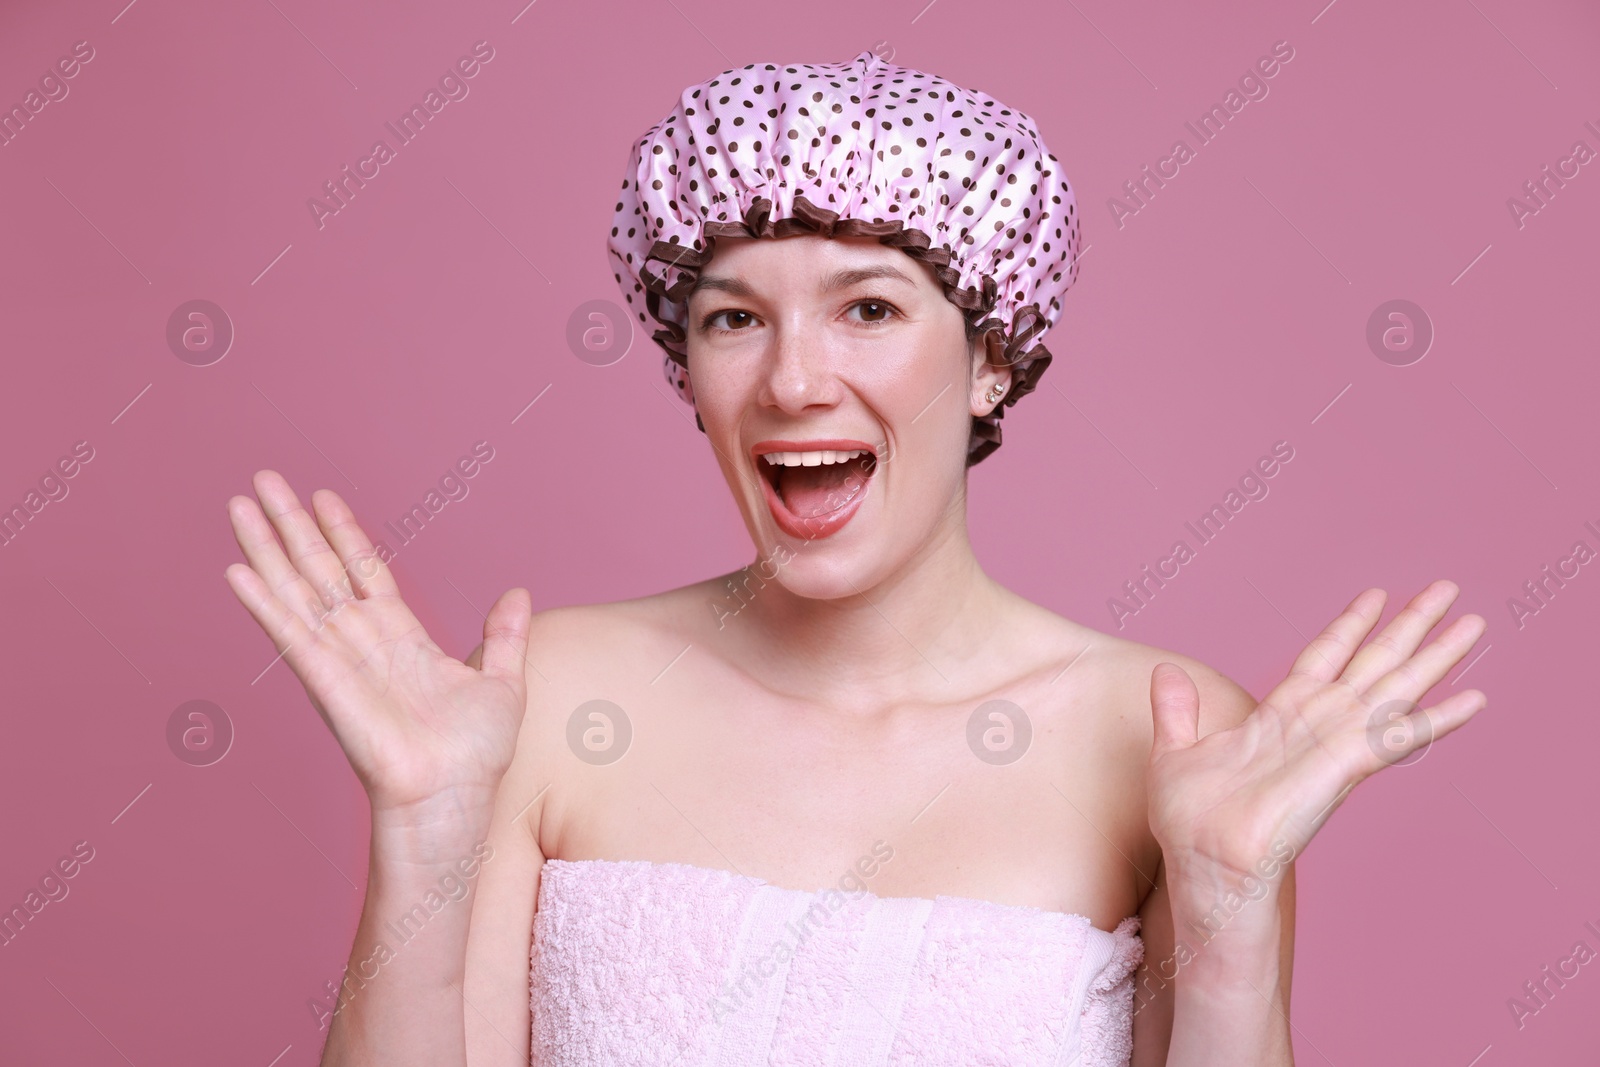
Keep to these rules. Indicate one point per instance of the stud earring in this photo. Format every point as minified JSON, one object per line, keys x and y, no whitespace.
{"x":994,"y":393}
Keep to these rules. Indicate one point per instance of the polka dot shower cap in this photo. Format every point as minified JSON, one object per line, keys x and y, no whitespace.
{"x":951,"y":177}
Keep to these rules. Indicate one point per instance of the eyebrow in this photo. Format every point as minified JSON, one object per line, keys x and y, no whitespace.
{"x":839,"y":279}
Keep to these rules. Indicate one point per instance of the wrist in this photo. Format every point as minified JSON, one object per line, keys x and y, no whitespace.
{"x":1206,"y":910}
{"x":1206,"y":892}
{"x":433,"y":832}
{"x":1228,"y":928}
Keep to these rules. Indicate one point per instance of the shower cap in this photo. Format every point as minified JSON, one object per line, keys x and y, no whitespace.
{"x":950,"y":176}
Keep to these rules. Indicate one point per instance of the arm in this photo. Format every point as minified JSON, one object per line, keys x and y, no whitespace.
{"x":430,"y":738}
{"x":496,"y":988}
{"x":1215,"y":980}
{"x":1233,"y":808}
{"x":1169,"y":981}
{"x":399,"y":1002}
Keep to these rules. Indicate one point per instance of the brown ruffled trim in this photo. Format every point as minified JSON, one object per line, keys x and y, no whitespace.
{"x":976,"y":303}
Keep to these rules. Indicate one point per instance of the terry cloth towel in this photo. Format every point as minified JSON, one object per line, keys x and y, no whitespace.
{"x":668,"y":965}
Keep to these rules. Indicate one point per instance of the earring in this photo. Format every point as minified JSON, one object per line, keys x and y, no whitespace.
{"x":994,"y":393}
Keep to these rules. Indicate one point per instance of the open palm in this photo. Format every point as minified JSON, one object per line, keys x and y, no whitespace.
{"x":414,"y":722}
{"x":1225,"y":802}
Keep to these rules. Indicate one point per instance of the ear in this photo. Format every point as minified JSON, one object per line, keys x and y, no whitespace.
{"x":991,"y":375}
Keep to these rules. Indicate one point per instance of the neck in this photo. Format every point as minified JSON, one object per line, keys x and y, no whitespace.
{"x":916,"y":635}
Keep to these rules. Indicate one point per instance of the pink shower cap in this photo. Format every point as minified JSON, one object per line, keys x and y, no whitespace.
{"x":949,"y":176}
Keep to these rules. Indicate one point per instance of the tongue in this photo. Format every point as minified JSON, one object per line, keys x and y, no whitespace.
{"x":813,"y":491}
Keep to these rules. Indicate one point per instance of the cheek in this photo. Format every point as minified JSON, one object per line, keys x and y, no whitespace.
{"x":916,"y":364}
{"x":929,"y":424}
{"x":722,"y":387}
{"x":923,"y":394}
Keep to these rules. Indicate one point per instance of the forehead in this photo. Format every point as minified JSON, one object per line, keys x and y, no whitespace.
{"x":740,"y":264}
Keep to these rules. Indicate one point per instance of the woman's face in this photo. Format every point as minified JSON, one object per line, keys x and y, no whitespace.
{"x":842,"y":359}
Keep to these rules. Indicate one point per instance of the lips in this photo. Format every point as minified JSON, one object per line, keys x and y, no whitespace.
{"x":814,"y":487}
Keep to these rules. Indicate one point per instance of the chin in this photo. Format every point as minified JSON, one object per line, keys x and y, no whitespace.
{"x":822,"y":570}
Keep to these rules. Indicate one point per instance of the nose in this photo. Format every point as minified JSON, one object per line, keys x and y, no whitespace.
{"x":799,"y":372}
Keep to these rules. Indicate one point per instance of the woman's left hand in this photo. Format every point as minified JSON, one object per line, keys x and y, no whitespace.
{"x":1226,"y":806}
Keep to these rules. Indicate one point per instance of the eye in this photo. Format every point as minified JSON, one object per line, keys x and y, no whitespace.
{"x":744,"y":318}
{"x":875,"y":311}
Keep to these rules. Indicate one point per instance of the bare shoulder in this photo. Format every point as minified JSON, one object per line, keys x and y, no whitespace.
{"x":609,"y":651}
{"x":584,"y":660}
{"x":619,"y":637}
{"x":1120,"y":670}
{"x":1224,"y":703}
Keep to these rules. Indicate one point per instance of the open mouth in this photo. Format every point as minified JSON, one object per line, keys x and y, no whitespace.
{"x":812,"y":490}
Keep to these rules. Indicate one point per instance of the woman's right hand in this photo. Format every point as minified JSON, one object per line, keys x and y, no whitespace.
{"x":418,"y":726}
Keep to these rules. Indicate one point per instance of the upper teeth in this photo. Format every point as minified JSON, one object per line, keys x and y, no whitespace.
{"x":811,"y":459}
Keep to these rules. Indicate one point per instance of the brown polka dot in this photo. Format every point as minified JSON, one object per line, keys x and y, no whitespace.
{"x":842,"y":164}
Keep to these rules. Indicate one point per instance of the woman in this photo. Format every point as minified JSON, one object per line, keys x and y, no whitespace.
{"x":856,"y":803}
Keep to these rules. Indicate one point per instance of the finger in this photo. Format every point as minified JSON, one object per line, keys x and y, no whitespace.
{"x":308,"y":550}
{"x":1411,"y":679}
{"x":1330,"y":651}
{"x":1405,"y":734}
{"x":368,"y":574}
{"x":265,"y":555}
{"x":1397,"y":641}
{"x":1175,"y":707}
{"x":505,"y":634}
{"x":286,"y":629}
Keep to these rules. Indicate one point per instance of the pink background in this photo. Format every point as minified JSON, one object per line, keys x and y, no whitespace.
{"x":1226,"y":315}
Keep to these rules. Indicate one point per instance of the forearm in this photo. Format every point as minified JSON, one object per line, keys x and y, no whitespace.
{"x":1230,"y":1011}
{"x":400,"y":1001}
{"x":1230,"y":997}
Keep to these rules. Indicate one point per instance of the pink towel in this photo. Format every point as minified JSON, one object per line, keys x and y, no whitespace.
{"x":668,"y":965}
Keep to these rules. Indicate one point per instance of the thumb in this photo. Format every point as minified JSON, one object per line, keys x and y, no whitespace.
{"x":1175,"y":706}
{"x":505,"y":633}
